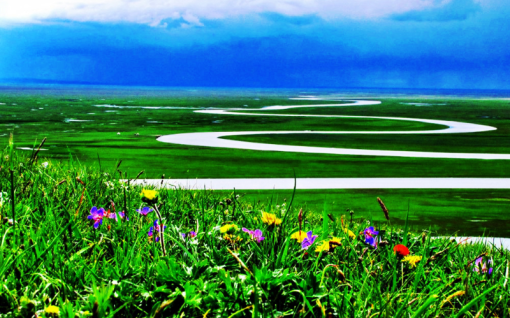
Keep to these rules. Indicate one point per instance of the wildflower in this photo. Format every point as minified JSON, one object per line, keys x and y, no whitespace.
{"x":325,"y":245}
{"x":349,"y":233}
{"x":308,"y":240}
{"x":401,"y":250}
{"x":156,"y":228}
{"x":299,"y":236}
{"x":228,"y":228}
{"x":109,"y":185}
{"x":370,"y":232}
{"x":255,"y":235}
{"x":149,"y":196}
{"x":45,"y":164}
{"x":481,"y":267}
{"x":2,"y":200}
{"x":191,"y":234}
{"x":412,"y":259}
{"x":232,"y":239}
{"x":113,"y":215}
{"x":52,"y":310}
{"x":9,"y":221}
{"x":335,"y":240}
{"x":97,"y":216}
{"x":270,"y":219}
{"x":144,"y":211}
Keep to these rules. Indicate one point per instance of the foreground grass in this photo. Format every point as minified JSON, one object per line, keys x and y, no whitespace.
{"x":53,"y":260}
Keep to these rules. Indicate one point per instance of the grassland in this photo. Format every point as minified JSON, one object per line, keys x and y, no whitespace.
{"x":38,"y":114}
{"x":471,"y":212}
{"x":98,"y":137}
{"x":53,"y":262}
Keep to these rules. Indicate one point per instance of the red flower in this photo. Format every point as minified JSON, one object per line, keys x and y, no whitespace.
{"x":401,"y":250}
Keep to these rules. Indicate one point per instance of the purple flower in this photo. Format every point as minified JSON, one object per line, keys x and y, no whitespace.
{"x":308,"y":240}
{"x":255,"y":235}
{"x":156,"y":228}
{"x":481,"y":266}
{"x":114,"y":215}
{"x":370,"y":232}
{"x":145,"y":210}
{"x":97,"y":216}
{"x":191,"y":234}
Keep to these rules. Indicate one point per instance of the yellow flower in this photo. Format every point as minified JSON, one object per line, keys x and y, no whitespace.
{"x":299,"y":236}
{"x":336,"y":239}
{"x":228,"y":228}
{"x":232,"y":239}
{"x":149,"y":194}
{"x":412,"y":259}
{"x":270,"y":219}
{"x":323,"y":246}
{"x":349,"y":233}
{"x":52,"y":310}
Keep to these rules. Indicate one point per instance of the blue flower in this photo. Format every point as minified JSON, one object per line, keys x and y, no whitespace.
{"x":96,"y":215}
{"x":156,"y":228}
{"x":308,"y":240}
{"x":370,"y":234}
{"x":145,"y":210}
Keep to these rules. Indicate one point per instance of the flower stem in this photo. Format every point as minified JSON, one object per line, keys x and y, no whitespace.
{"x":160,"y":232}
{"x":13,"y":204}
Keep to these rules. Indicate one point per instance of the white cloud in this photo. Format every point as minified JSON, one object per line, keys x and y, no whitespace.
{"x":152,"y":12}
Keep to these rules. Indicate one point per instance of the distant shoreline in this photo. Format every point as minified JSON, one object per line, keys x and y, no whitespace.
{"x":89,"y":89}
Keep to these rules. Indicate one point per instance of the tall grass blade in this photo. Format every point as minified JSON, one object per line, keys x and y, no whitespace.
{"x":404,"y":242}
{"x":423,"y":308}
{"x":466,"y":307}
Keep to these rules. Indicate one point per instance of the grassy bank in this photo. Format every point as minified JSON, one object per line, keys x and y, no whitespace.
{"x":53,"y":260}
{"x":464,"y":212}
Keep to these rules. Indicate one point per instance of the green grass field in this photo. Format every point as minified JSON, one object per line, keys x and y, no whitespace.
{"x":33,"y":116}
{"x":458,"y":211}
{"x":61,"y":255}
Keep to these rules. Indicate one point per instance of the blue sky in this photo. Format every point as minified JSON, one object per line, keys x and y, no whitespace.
{"x":296,"y":43}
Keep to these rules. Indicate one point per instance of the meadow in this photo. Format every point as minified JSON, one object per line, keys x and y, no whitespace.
{"x":77,"y":242}
{"x":75,"y":126}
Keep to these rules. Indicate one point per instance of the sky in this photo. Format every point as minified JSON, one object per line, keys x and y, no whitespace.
{"x":455,"y":44}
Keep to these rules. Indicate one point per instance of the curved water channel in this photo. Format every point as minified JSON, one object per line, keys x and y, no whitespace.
{"x":215,"y":139}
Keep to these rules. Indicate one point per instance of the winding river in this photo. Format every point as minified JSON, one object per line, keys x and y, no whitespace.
{"x":215,"y":139}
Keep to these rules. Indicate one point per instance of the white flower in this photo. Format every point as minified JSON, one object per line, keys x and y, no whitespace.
{"x":45,"y":164}
{"x":2,"y":200}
